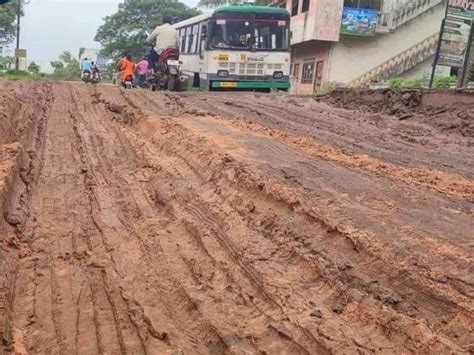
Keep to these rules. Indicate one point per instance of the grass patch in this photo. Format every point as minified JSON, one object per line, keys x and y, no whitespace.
{"x":21,"y":74}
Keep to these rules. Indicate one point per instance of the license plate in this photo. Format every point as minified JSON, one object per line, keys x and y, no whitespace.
{"x":173,"y":62}
{"x":228,"y":84}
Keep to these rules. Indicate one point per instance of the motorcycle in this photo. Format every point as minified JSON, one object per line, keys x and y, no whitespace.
{"x":167,"y":72}
{"x":127,"y":83}
{"x":96,"y":77}
{"x":86,"y":76}
{"x":89,"y":77}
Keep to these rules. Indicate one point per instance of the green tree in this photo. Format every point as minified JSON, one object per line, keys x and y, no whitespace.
{"x":34,"y":68}
{"x":6,"y":62}
{"x":66,"y":68}
{"x":471,"y":72}
{"x":126,"y":30}
{"x":81,"y":52}
{"x":211,"y":4}
{"x":57,"y":65}
{"x":66,"y":57}
{"x":8,"y":22}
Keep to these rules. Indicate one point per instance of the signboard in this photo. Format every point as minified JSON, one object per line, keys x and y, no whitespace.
{"x":359,"y":21}
{"x":101,"y":62}
{"x":20,"y":53}
{"x":455,"y":35}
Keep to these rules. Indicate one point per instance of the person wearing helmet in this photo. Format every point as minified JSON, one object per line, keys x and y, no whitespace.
{"x":164,"y":36}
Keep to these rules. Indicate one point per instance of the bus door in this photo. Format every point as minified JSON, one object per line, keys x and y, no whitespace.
{"x":202,"y":58}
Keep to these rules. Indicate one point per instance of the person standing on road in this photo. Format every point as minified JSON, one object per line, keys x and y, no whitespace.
{"x":142,"y":70}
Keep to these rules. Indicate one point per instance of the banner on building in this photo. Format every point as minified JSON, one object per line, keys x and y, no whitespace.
{"x":102,"y":62}
{"x":359,"y":21}
{"x":456,"y":32}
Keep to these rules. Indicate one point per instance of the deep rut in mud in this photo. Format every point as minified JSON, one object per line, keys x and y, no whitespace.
{"x":151,"y":223}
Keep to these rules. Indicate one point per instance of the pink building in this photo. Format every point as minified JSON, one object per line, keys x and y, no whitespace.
{"x":314,"y":25}
{"x":360,"y":42}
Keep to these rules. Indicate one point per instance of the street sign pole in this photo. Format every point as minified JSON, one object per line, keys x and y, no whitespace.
{"x":18,"y":17}
{"x":438,"y":47}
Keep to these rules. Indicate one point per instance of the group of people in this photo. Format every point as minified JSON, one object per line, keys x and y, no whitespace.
{"x":136,"y":72}
{"x":88,"y":65}
{"x":164,"y":36}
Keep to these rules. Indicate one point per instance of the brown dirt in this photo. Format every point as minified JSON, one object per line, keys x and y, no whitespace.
{"x":151,"y":223}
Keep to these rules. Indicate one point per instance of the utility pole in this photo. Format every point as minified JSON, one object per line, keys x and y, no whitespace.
{"x":18,"y":17}
{"x":438,"y":47}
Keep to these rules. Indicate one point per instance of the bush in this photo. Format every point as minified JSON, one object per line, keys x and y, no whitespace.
{"x":400,"y":83}
{"x":444,"y":82}
{"x":471,"y":72}
{"x":327,"y":88}
{"x":396,"y":83}
{"x":19,"y":73}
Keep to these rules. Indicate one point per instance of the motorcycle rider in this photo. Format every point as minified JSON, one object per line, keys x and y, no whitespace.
{"x":95,"y":71}
{"x":86,"y":65}
{"x":127,"y":68}
{"x":142,"y":70}
{"x":163,"y":37}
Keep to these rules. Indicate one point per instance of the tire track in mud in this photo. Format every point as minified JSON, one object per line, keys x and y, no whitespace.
{"x":146,"y":237}
{"x":213,"y":243}
{"x":384,"y":299}
{"x":293,"y":251}
{"x":440,"y":181}
{"x":407,"y":144}
{"x":178,"y":292}
{"x":27,"y":128}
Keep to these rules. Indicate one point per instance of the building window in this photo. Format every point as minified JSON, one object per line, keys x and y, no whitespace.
{"x":305,"y":7}
{"x":295,"y":4}
{"x":308,"y":73}
{"x":364,"y":4}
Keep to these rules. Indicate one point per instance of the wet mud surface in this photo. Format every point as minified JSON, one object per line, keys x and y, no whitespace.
{"x":199,"y":223}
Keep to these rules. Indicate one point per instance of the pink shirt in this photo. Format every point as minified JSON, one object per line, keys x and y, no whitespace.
{"x":142,"y":67}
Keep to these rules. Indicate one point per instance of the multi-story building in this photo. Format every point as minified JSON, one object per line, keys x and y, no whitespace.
{"x":356,"y":42}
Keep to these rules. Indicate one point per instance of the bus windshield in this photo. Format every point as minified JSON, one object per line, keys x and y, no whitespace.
{"x":258,"y":32}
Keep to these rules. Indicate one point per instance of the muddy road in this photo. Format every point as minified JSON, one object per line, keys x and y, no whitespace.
{"x":197,"y":223}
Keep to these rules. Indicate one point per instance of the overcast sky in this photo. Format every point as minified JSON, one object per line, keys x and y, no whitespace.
{"x":52,"y":26}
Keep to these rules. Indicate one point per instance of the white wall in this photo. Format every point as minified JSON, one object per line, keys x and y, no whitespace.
{"x":419,"y":70}
{"x":365,"y":53}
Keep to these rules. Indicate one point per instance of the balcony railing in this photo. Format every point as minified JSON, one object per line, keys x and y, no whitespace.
{"x":399,"y":63}
{"x":391,"y":20}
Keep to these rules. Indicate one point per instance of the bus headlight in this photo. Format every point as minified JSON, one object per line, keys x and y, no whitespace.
{"x":222,"y":73}
{"x":278,"y":75}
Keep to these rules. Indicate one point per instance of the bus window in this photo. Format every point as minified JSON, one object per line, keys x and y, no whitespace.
{"x":195,"y":33}
{"x":235,"y":31}
{"x":203,"y":38}
{"x":183,"y":39}
{"x":295,"y":4}
{"x":271,"y":33}
{"x":189,"y":34}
